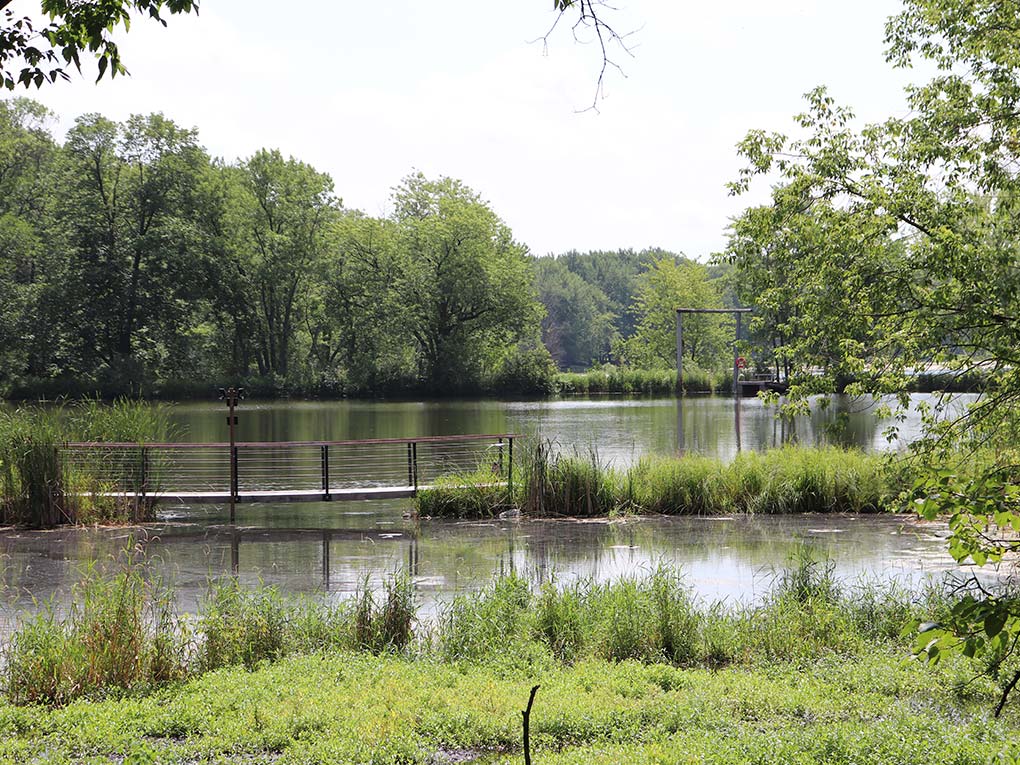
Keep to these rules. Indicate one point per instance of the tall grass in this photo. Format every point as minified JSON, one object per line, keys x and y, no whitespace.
{"x":788,"y":480}
{"x":611,"y":379}
{"x":123,"y":634}
{"x":39,"y":489}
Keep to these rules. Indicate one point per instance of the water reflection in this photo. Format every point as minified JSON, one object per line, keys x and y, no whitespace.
{"x":333,"y":548}
{"x":622,"y":429}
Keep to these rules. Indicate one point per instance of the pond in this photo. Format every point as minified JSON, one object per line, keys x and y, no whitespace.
{"x":621,"y":429}
{"x":332,"y":548}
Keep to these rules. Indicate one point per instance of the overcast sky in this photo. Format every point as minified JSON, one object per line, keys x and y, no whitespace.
{"x":368,"y":91}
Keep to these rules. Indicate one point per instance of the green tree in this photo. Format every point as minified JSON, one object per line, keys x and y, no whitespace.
{"x":465,"y":283}
{"x":903,"y":238}
{"x":127,"y":199}
{"x":75,"y":29}
{"x":26,"y":156}
{"x":281,"y":217}
{"x":616,"y":274}
{"x":358,"y":335}
{"x":672,"y":283}
{"x":578,"y":326}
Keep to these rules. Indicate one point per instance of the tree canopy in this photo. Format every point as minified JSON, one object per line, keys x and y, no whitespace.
{"x":894,"y":248}
{"x":34,"y":55}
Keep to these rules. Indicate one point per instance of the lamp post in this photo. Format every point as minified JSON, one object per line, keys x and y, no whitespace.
{"x":232,"y":396}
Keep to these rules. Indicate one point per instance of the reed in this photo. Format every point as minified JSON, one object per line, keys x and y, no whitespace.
{"x":38,"y":489}
{"x":121,"y":633}
{"x":611,"y":379}
{"x":788,"y":480}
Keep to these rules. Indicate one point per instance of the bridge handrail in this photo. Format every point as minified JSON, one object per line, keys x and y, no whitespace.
{"x":272,"y":444}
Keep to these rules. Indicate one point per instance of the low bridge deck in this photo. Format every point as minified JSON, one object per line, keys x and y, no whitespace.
{"x":289,"y":471}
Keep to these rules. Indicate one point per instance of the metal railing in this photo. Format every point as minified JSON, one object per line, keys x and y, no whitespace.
{"x":282,"y":470}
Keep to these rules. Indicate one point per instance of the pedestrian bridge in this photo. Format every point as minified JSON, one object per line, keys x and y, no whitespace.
{"x":289,"y":471}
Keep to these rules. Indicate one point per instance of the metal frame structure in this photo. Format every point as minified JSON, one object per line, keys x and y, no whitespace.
{"x":289,"y":471}
{"x":738,"y":313}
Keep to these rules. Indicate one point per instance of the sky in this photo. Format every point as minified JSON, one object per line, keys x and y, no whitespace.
{"x":371,"y":91}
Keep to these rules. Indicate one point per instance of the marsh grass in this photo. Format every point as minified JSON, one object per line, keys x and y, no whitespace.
{"x":578,"y":484}
{"x":474,"y":494}
{"x":789,"y":480}
{"x":39,"y":489}
{"x":122,"y":633}
{"x":611,"y":379}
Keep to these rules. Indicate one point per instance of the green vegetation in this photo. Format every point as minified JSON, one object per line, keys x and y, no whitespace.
{"x":788,"y":480}
{"x":39,"y":489}
{"x":198,"y":272}
{"x":628,"y":381}
{"x":75,"y":31}
{"x":630,"y":670}
{"x":892,"y":247}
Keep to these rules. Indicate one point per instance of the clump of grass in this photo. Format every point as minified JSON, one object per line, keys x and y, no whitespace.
{"x":241,"y":626}
{"x":385,"y":626}
{"x":39,"y":487}
{"x":575,"y":485}
{"x":788,"y":480}
{"x":248,"y":626}
{"x":121,"y":633}
{"x":496,"y":618}
{"x":479,"y":494}
{"x":610,"y":379}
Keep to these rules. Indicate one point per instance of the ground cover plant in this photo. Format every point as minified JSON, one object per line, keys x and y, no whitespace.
{"x":633,"y":670}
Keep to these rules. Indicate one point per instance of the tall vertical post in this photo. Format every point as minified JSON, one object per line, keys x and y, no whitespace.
{"x":679,"y":353}
{"x":736,"y":357}
{"x":232,"y":423}
{"x":325,"y":472}
{"x":510,"y":467}
{"x":232,"y":396}
{"x":414,"y":466}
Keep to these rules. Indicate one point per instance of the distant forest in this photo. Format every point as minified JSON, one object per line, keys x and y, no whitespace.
{"x":133,"y":262}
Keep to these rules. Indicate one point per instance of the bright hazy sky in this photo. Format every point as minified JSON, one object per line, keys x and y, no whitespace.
{"x":368,"y":91}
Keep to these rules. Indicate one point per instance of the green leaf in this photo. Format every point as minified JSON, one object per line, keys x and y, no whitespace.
{"x":995,"y":621}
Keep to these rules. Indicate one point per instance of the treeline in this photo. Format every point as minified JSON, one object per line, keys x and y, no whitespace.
{"x":133,"y":262}
{"x":619,"y":308}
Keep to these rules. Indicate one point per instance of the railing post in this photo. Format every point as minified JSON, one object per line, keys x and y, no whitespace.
{"x":325,"y":472}
{"x":414,"y":463}
{"x":500,"y":451}
{"x":234,"y":482}
{"x":510,"y":467}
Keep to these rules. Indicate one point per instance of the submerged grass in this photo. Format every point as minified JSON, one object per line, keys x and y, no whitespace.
{"x":788,"y":480}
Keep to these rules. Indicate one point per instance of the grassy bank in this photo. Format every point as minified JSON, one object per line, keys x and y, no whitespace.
{"x":788,"y":480}
{"x":628,"y":381}
{"x":39,"y":489}
{"x":630,"y":671}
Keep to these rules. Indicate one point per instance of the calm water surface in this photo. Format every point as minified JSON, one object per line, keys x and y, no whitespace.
{"x":329,"y":549}
{"x":621,"y":429}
